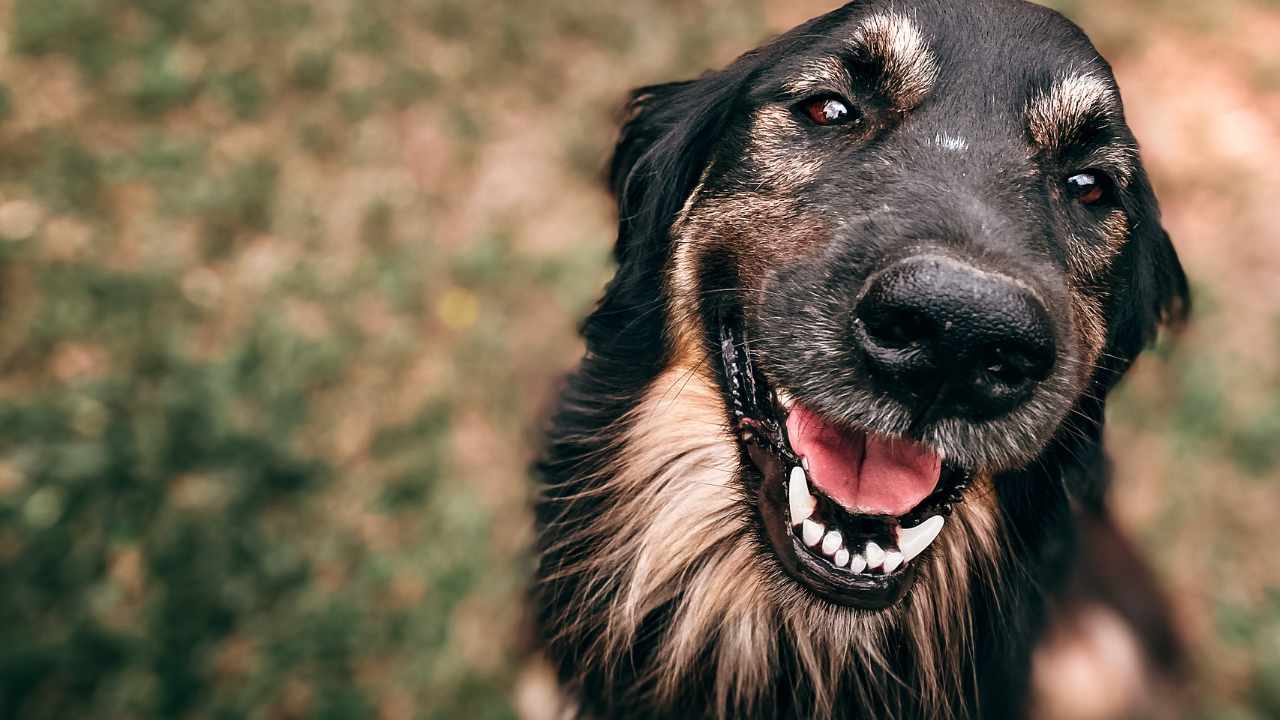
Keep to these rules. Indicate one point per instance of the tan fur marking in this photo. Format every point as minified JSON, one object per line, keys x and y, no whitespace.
{"x":911,"y":69}
{"x":1090,"y":257}
{"x":681,"y":277}
{"x":1092,"y":328}
{"x":1056,"y":114}
{"x":1089,"y":260}
{"x":778,"y":166}
{"x":822,"y":74}
{"x":708,"y":225}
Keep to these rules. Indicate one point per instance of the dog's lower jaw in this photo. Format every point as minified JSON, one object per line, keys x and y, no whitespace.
{"x":661,"y":593}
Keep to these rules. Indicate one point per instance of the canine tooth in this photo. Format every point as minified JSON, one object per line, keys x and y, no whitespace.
{"x":832,"y":542}
{"x":811,"y":532}
{"x":875,"y":555}
{"x":913,"y":541}
{"x":842,"y":557}
{"x":802,"y":503}
{"x":892,"y":561}
{"x":857,"y":564}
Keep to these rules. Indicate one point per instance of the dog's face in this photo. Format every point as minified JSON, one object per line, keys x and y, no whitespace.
{"x":913,"y":239}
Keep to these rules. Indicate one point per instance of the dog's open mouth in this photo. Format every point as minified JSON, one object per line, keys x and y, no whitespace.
{"x":849,"y":513}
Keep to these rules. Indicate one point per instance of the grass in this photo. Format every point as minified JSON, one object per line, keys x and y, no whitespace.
{"x":284,"y":290}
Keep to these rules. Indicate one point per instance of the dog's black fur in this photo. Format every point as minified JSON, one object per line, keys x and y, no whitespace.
{"x":994,"y":58}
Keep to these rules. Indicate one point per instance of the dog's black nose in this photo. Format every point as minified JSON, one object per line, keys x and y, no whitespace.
{"x":945,"y":337}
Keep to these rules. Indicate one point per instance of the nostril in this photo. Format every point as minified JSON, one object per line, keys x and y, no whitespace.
{"x":1010,"y":366}
{"x":1005,"y":373}
{"x":898,"y":328}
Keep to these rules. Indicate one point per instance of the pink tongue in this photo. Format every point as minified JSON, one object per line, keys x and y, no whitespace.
{"x":864,"y":473}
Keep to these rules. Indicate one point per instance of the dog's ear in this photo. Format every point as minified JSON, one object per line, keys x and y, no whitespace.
{"x":1153,"y":292}
{"x":667,"y":139}
{"x":665,"y":143}
{"x":1160,"y":291}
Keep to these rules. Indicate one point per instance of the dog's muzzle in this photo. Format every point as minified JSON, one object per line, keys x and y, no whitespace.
{"x":946,"y":339}
{"x":848,"y":512}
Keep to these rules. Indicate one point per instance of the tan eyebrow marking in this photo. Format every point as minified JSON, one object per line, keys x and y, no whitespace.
{"x":826,"y":73}
{"x":1056,"y":114}
{"x":910,"y":68}
{"x":1120,"y":158}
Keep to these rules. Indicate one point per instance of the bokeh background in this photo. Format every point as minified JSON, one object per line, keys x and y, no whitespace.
{"x":286,"y":285}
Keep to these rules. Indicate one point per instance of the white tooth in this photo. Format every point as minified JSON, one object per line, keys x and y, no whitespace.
{"x":832,"y":542}
{"x":811,"y":532}
{"x":857,"y":564}
{"x":802,"y":504}
{"x":842,"y":557}
{"x":892,"y":561}
{"x":875,"y":555}
{"x":784,"y":398}
{"x":804,"y":463}
{"x":913,"y":541}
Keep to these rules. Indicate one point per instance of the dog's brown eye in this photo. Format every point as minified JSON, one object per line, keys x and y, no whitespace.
{"x":829,"y":110}
{"x":1087,"y":188}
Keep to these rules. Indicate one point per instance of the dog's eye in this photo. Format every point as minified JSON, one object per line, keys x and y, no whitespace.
{"x":829,"y":110}
{"x":1088,"y":187}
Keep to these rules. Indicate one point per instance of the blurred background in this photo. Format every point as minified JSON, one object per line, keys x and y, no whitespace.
{"x":285,"y":287}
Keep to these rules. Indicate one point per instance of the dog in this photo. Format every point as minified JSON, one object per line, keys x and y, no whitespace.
{"x":835,"y":448}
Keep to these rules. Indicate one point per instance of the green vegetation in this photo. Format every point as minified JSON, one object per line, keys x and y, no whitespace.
{"x":285,"y":286}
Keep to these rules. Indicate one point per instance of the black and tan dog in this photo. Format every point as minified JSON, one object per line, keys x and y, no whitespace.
{"x":835,"y":449}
